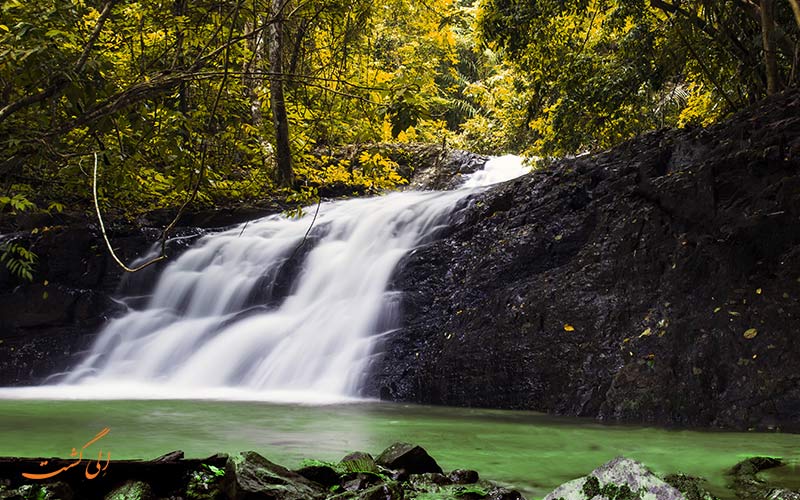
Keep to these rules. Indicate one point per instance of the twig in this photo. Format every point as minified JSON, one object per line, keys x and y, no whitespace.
{"x":105,"y":236}
{"x":308,"y":231}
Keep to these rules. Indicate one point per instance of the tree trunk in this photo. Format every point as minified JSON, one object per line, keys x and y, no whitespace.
{"x":283,"y":153}
{"x":768,"y":37}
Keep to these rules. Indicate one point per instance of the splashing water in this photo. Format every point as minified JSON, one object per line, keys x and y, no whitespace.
{"x":255,"y":313}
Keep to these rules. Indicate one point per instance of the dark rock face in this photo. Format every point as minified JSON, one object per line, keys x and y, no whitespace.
{"x":657,"y":282}
{"x":46,"y":325}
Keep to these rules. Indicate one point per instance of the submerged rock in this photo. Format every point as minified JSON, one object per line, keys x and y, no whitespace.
{"x":619,"y":479}
{"x":747,"y":483}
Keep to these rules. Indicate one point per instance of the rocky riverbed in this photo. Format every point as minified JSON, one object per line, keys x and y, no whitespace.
{"x":401,"y":472}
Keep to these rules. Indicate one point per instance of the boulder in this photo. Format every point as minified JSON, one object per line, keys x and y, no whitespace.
{"x":463,"y":476}
{"x":619,"y":479}
{"x":691,"y":487}
{"x":414,"y":459}
{"x":748,"y":482}
{"x":358,"y":461}
{"x":249,"y":476}
{"x":131,"y":490}
{"x":321,"y":474}
{"x":386,"y":491}
{"x":504,"y":494}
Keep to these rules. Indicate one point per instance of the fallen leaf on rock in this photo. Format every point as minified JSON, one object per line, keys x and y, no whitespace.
{"x":569,"y":328}
{"x":646,"y":333}
{"x":750,"y":333}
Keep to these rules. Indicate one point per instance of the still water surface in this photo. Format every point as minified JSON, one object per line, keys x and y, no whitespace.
{"x":529,"y":451}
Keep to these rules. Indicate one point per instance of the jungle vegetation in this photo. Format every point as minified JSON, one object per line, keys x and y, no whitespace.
{"x":214,"y":101}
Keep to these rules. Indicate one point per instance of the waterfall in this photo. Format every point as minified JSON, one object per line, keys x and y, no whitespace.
{"x":260,"y":309}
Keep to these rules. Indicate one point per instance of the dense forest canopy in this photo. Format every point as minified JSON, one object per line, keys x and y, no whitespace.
{"x":222,"y":100}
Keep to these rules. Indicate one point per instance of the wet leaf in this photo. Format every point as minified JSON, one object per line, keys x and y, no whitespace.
{"x":750,"y":333}
{"x":717,"y":309}
{"x":733,"y":313}
{"x":569,"y":328}
{"x":646,"y":333}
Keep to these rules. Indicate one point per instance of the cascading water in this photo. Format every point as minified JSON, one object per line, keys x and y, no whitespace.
{"x":256,"y":310}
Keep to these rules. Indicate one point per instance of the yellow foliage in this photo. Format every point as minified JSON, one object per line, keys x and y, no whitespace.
{"x":702,"y":108}
{"x":371,"y":172}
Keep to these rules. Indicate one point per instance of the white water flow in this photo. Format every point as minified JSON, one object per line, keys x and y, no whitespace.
{"x":245,"y":314}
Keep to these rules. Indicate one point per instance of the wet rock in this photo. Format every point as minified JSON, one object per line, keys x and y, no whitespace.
{"x":357,"y":456}
{"x":504,"y":494}
{"x":399,"y":475}
{"x":414,"y":459}
{"x":428,"y":480}
{"x":745,"y":479}
{"x":691,"y":487}
{"x":358,"y":461}
{"x":249,"y":476}
{"x":50,"y":491}
{"x":358,"y":481}
{"x":387,"y":491}
{"x":782,"y":494}
{"x":619,"y":479}
{"x":322,"y":474}
{"x":131,"y":490}
{"x":618,"y":285}
{"x":463,"y":476}
{"x":172,"y":456}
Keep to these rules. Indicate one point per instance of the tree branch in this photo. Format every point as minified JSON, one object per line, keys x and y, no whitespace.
{"x":60,"y":80}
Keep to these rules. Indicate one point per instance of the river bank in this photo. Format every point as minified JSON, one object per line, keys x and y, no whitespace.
{"x":403,"y":471}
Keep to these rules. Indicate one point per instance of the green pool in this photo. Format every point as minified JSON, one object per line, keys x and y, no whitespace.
{"x":530,"y":451}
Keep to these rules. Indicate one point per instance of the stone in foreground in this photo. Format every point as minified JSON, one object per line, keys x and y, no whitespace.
{"x":619,"y":479}
{"x":409,"y":457}
{"x":252,"y":477}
